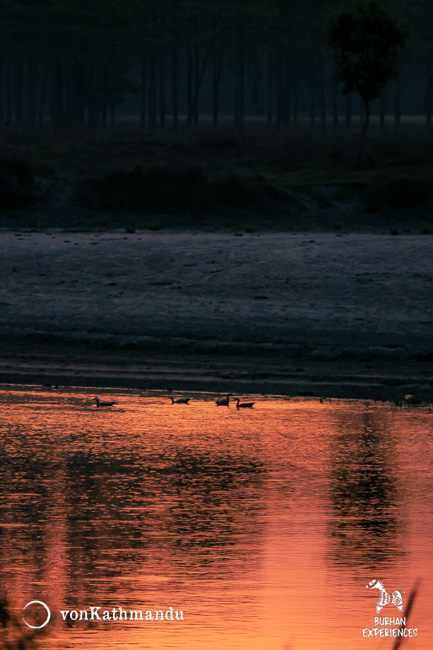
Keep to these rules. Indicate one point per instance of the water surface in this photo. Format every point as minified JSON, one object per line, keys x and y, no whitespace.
{"x":262,"y":526}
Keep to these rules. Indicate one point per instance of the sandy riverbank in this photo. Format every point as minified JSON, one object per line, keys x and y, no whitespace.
{"x":323,"y":314}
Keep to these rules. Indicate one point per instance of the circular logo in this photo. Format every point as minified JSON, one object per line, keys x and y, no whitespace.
{"x":38,"y":602}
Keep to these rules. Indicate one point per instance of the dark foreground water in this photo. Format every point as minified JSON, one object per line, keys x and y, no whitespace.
{"x":261,"y":528}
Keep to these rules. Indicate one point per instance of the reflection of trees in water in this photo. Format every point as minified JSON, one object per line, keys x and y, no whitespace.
{"x":24,"y":504}
{"x":364,"y":530}
{"x":219,"y":500}
{"x":186,"y":510}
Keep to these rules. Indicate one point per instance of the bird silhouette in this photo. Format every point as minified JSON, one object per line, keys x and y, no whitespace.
{"x":244,"y":405}
{"x":223,"y":401}
{"x":101,"y":403}
{"x":180,"y":400}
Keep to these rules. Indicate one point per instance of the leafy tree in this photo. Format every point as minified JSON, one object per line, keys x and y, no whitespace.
{"x":366,"y":42}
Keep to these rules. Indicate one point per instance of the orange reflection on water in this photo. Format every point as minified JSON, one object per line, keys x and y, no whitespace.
{"x":262,"y":526}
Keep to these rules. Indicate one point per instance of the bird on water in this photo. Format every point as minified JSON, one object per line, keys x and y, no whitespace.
{"x":244,"y":405}
{"x":100,"y":403}
{"x":180,"y":400}
{"x":223,"y":401}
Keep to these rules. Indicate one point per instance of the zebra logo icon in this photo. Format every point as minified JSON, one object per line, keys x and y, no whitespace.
{"x":384,"y":598}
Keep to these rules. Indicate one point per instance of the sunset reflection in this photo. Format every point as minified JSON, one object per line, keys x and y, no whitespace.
{"x":262,"y":527}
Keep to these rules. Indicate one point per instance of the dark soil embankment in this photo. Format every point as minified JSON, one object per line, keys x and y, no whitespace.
{"x":18,"y":184}
{"x":174,"y":190}
{"x":216,"y":182}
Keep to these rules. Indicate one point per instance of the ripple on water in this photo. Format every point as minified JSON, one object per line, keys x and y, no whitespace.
{"x":263,"y":526}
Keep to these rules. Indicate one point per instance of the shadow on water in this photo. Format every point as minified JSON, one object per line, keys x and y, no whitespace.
{"x":364,"y":527}
{"x":120,"y":515}
{"x":257,"y":525}
{"x":13,"y":636}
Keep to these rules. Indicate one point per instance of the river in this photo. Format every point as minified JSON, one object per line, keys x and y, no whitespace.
{"x":259,"y":529}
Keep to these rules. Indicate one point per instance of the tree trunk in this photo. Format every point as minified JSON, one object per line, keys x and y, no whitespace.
{"x":429,"y":94}
{"x":8,"y":80}
{"x":18,"y":90}
{"x":189,"y":92}
{"x":2,"y":115}
{"x":397,"y":100}
{"x":287,"y":87}
{"x":322,"y":94}
{"x":216,"y":75}
{"x":93,"y":99}
{"x":312,"y":105}
{"x":68,"y":98}
{"x":282,"y":87}
{"x":197,"y":77}
{"x":152,"y":93}
{"x":295,"y":103}
{"x":382,"y":109}
{"x":174,"y":65}
{"x":59,"y":105}
{"x":105,"y":98}
{"x":256,"y":84}
{"x":240,"y":83}
{"x":81,"y":95}
{"x":335,"y":107}
{"x":78,"y":95}
{"x":195,"y":72}
{"x":348,"y":116}
{"x":42,"y":96}
{"x":174,"y":88}
{"x":161,"y":73}
{"x":161,"y":93}
{"x":143,"y":81}
{"x":270,"y":87}
{"x":31,"y":93}
{"x":364,"y":130}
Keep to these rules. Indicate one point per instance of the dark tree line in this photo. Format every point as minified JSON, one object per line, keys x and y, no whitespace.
{"x":175,"y":63}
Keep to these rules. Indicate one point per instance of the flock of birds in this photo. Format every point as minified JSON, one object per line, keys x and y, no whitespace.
{"x":220,"y":401}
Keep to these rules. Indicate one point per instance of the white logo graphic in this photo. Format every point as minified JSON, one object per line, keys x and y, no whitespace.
{"x":384,"y":598}
{"x":38,"y":602}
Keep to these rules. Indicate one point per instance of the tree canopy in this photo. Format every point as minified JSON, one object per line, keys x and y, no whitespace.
{"x":367,"y":41}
